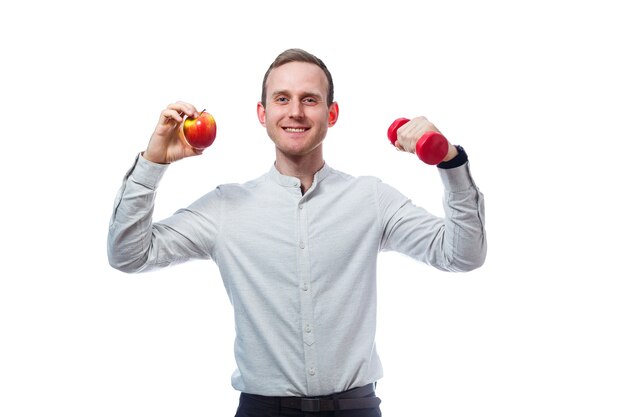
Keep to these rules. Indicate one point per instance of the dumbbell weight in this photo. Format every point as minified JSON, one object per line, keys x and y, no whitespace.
{"x":431,"y":148}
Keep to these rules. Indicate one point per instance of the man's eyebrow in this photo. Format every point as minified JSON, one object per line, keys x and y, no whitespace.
{"x":304,"y":94}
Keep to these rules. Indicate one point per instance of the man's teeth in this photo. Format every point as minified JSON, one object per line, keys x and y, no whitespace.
{"x":295,"y":129}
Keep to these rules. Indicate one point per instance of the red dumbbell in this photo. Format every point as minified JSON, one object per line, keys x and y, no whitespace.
{"x":431,"y":148}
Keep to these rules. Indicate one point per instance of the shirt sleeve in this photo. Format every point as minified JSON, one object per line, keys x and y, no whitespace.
{"x":135,"y":243}
{"x":456,"y":242}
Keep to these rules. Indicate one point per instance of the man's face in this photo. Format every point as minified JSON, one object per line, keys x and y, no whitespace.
{"x":296,"y":114}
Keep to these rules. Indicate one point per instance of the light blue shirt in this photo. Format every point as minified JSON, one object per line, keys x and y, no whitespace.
{"x":300,"y":270}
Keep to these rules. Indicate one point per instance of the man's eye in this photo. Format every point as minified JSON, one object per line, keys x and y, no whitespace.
{"x":309,"y":100}
{"x":281,"y":99}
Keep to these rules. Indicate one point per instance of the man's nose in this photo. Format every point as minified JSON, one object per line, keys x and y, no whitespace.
{"x":295,"y":110}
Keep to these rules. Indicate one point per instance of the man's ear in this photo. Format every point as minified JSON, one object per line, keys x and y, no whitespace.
{"x":260,"y":112}
{"x":333,"y":114}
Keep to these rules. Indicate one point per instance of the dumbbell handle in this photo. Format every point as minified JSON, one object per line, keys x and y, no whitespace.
{"x":431,"y":148}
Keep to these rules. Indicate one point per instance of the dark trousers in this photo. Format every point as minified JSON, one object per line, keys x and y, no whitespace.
{"x":260,"y":406}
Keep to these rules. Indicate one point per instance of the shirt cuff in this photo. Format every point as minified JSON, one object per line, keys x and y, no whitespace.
{"x":147,"y":173}
{"x":457,"y":178}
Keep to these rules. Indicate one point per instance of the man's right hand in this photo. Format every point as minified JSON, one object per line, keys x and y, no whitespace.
{"x":167,"y":143}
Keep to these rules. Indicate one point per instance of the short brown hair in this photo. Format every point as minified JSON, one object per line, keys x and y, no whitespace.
{"x":298,"y":55}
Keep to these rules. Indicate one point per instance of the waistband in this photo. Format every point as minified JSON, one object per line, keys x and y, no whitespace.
{"x":354,"y":399}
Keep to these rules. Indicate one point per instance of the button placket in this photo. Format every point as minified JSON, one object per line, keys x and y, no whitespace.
{"x":306,"y":299}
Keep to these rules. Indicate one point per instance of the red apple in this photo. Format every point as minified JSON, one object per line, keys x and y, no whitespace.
{"x":200,"y":132}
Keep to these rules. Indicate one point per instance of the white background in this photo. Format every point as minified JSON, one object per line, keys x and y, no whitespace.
{"x":534,"y":90}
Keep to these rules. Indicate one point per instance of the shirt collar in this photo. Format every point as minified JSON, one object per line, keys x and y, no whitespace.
{"x":287,"y":181}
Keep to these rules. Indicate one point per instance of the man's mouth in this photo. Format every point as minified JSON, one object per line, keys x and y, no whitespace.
{"x":295,"y":129}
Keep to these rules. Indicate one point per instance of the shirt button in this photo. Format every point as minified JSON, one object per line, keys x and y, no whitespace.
{"x":311,"y":371}
{"x":307,"y":328}
{"x":300,"y":206}
{"x":301,"y":244}
{"x":305,"y":287}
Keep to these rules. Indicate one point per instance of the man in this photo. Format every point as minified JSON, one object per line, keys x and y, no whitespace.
{"x":297,"y":247}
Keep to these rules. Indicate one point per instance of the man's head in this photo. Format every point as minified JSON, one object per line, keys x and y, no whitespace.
{"x":298,"y":55}
{"x":297,"y":106}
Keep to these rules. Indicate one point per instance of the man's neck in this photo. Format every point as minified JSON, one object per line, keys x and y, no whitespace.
{"x":301,"y":167}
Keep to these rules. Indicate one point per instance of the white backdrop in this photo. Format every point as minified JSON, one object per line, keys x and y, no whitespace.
{"x":534,"y":90}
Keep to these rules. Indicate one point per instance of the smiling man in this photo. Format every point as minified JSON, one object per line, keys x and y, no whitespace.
{"x":297,"y":247}
{"x":297,"y":109}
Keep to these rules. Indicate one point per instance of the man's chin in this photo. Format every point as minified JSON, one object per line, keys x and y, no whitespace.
{"x":298,"y":152}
